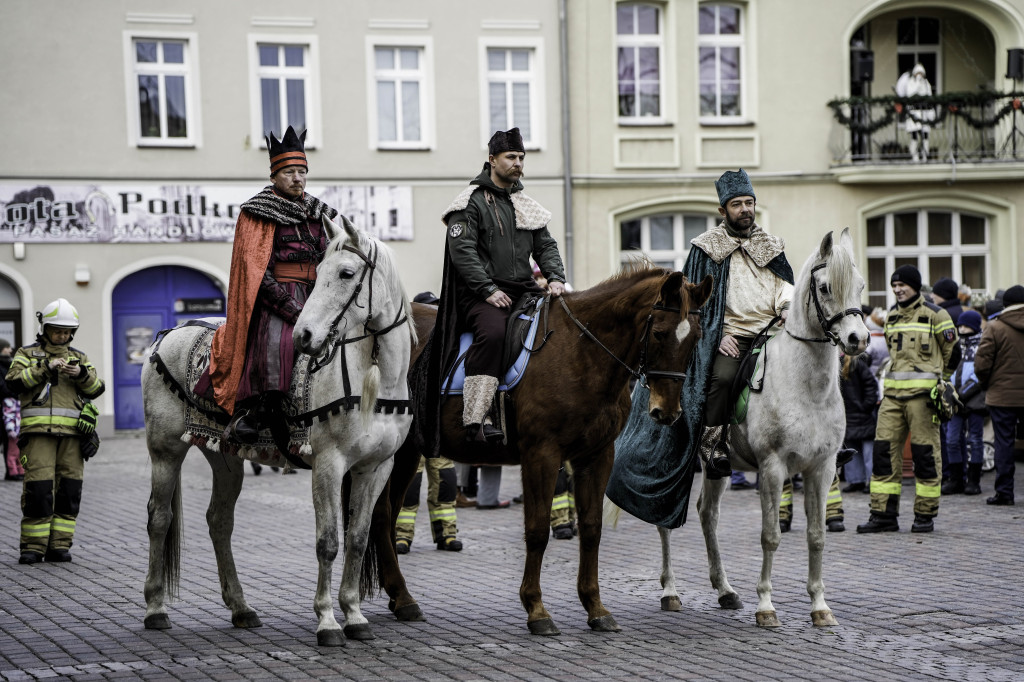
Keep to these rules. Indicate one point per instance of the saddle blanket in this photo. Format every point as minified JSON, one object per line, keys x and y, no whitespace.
{"x":205,"y":420}
{"x":453,"y":383}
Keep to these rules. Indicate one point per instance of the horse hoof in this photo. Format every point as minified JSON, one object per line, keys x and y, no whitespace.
{"x":730,"y":601}
{"x":410,"y":613}
{"x":604,"y":624}
{"x":544,"y":626}
{"x":157,"y":621}
{"x":246,"y":619}
{"x":767,"y":619}
{"x":330,"y":638}
{"x":823,"y":618}
{"x":671,"y":604}
{"x":360,"y":632}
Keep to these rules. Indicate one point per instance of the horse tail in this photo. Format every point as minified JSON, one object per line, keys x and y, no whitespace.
{"x":369,"y":576}
{"x":612,"y":512}
{"x":371,"y":388}
{"x":172,"y":543}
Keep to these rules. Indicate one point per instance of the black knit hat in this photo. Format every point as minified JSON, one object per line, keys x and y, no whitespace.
{"x":1013,"y":295}
{"x":946,"y":288}
{"x":909,"y":275}
{"x":290,"y":150}
{"x":506,"y":141}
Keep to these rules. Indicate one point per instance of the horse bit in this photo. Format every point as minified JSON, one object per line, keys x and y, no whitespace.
{"x":825,"y":322}
{"x":332,"y":335}
{"x":641,"y":373}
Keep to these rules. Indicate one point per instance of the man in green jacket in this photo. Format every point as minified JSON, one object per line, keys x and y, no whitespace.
{"x":54,"y":383}
{"x":493,"y":230}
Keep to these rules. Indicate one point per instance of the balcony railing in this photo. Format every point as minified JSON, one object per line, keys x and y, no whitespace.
{"x":965,"y":127}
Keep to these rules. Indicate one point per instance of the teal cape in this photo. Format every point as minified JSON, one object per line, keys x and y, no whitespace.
{"x":654,"y":465}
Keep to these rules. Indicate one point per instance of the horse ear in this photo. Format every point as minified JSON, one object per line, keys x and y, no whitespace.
{"x":671,"y":290}
{"x":331,"y":228}
{"x":846,"y":241}
{"x":351,"y":230}
{"x":826,"y":246}
{"x":700,"y":293}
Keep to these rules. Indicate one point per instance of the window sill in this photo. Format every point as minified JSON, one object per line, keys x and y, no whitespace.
{"x":727,"y":123}
{"x":405,"y":148}
{"x":645,"y":123}
{"x":164,"y":145}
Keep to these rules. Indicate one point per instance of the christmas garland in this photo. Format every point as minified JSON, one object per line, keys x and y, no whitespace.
{"x":955,"y":103}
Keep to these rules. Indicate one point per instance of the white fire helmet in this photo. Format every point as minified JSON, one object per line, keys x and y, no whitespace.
{"x":59,"y":313}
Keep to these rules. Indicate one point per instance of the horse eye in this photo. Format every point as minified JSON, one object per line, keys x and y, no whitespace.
{"x":660,"y":335}
{"x":347,"y":273}
{"x":823,"y":289}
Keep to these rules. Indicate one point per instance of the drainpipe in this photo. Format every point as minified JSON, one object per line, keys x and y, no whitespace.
{"x":566,"y":143}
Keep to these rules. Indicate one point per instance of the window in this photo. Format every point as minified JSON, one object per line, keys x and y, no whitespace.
{"x":917,"y":42}
{"x":513,"y":89}
{"x":161,"y":90}
{"x":939,"y":243}
{"x":662,"y":237}
{"x":400,"y":91}
{"x":284,"y":87}
{"x":720,"y":55}
{"x":640,"y":54}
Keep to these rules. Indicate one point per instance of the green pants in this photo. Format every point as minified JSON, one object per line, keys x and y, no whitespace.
{"x":833,"y":509}
{"x":51,"y":493}
{"x":895,"y":419}
{"x":441,"y":491}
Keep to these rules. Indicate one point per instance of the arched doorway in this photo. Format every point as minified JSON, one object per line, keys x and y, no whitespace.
{"x":142,"y":304}
{"x":10,"y":313}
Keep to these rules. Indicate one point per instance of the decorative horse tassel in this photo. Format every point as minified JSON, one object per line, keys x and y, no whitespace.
{"x":187,"y":437}
{"x":306,"y":449}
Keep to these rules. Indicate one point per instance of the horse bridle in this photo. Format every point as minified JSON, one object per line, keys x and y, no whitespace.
{"x":641,"y":373}
{"x":825,"y":322}
{"x":369,"y":265}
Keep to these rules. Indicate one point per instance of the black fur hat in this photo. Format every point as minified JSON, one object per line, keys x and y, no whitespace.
{"x":504,"y":141}
{"x":290,"y":150}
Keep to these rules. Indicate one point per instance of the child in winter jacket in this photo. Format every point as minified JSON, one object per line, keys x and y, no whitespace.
{"x":971,"y":419}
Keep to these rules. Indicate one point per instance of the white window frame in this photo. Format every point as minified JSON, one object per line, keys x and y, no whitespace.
{"x":922,"y":252}
{"x":428,"y":133}
{"x":190,"y":70}
{"x":739,"y":41}
{"x":538,"y":92}
{"x":935,"y":50}
{"x":676,"y":255}
{"x":310,"y":72}
{"x":636,"y":41}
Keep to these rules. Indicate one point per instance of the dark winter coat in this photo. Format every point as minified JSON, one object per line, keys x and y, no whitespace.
{"x":999,"y":361}
{"x":860,"y":396}
{"x":965,"y":379}
{"x":952,"y":307}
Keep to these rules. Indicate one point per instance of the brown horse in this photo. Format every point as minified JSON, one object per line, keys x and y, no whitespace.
{"x":569,"y":407}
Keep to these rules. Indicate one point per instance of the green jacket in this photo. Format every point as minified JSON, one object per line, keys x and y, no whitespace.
{"x":52,"y":410}
{"x":921,"y":338}
{"x":486,"y":242}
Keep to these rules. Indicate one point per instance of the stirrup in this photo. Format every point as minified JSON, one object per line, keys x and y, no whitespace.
{"x":241,"y":428}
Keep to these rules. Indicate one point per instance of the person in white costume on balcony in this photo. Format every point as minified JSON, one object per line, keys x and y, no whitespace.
{"x":918,"y":119}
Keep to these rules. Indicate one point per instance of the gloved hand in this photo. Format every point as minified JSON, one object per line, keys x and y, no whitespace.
{"x":87,"y":420}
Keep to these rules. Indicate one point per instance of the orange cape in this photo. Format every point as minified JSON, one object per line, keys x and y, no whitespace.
{"x":250,"y":255}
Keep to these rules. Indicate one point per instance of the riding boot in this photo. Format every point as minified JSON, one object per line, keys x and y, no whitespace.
{"x":955,"y":484}
{"x":243,"y":427}
{"x":477,"y":397}
{"x":973,"y":486}
{"x":714,"y":453}
{"x":913,"y":149}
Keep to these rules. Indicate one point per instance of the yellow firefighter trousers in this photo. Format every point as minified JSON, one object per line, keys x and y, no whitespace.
{"x":52,"y":492}
{"x":895,"y":419}
{"x":833,"y":508}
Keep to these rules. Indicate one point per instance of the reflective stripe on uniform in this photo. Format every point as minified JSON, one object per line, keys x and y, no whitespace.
{"x":912,"y":375}
{"x":47,"y":411}
{"x":93,"y":386}
{"x":35,"y":530}
{"x":909,"y":327}
{"x":910,"y":383}
{"x":834,"y":496}
{"x":63,"y":525}
{"x":407,"y":516}
{"x":923,"y":490}
{"x":881,"y":488}
{"x":51,"y":421}
{"x":443,"y":514}
{"x":560,"y":502}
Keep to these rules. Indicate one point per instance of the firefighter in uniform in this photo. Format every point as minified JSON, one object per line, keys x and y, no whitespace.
{"x":54,"y":383}
{"x":921,"y":337}
{"x":441,"y":491}
{"x":833,"y":507}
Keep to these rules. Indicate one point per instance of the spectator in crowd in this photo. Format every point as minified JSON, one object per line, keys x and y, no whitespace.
{"x":860,"y":396}
{"x":11,"y":417}
{"x":971,"y":418}
{"x":878,"y":351}
{"x":946,"y":295}
{"x":999,"y":364}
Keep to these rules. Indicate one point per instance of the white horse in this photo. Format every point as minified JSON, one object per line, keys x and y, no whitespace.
{"x":795,"y":425}
{"x":356,"y":320}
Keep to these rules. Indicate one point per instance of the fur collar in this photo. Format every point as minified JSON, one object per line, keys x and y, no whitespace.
{"x":760,"y":246}
{"x":271,"y":206}
{"x":529,"y":214}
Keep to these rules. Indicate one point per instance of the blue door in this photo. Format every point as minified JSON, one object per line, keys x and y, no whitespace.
{"x":143,"y":303}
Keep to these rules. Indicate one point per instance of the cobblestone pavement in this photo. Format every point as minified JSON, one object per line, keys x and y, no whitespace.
{"x":942,"y":606}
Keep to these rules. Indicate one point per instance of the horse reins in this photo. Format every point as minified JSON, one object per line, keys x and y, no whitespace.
{"x":825,"y":322}
{"x":641,"y":373}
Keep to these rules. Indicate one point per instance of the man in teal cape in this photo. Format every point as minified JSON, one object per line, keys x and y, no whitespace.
{"x":654,"y":465}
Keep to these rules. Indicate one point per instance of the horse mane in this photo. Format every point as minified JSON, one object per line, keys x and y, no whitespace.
{"x":635,"y":271}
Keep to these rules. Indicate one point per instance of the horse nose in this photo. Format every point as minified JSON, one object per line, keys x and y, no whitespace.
{"x":657,"y":414}
{"x":304,"y":338}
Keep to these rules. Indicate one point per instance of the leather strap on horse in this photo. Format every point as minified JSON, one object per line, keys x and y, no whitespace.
{"x":349,"y":402}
